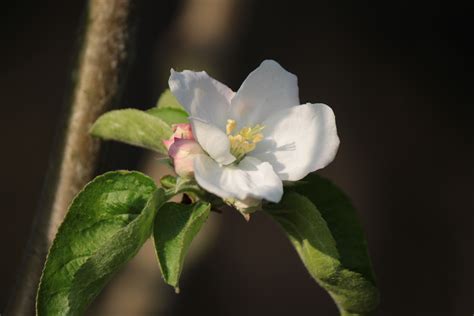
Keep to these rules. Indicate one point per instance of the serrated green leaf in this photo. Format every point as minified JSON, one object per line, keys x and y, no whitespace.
{"x":105,"y":226}
{"x":133,"y":127}
{"x":322,"y":225}
{"x":168,"y":100}
{"x":170,"y":115}
{"x":175,"y":227}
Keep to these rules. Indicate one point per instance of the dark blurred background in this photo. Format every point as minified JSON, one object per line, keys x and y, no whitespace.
{"x":398,"y":75}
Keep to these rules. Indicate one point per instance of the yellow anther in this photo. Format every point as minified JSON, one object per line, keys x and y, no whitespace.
{"x":230,"y":126}
{"x":245,"y":132}
{"x":257,"y":138}
{"x":245,"y":140}
{"x":248,"y":147}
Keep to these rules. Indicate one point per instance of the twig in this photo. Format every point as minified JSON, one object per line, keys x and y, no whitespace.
{"x":105,"y":46}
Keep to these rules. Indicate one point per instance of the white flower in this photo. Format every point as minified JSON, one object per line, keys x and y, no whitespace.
{"x":256,"y":137}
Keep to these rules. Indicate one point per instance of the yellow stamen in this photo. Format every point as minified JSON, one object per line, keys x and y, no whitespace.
{"x":257,"y":138}
{"x":245,"y":140}
{"x":230,"y":126}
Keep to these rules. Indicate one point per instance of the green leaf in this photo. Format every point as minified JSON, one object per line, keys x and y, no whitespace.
{"x":105,"y":226}
{"x":133,"y":127}
{"x":168,"y":100}
{"x":170,"y":115}
{"x":175,"y":227}
{"x":322,"y":225}
{"x":342,"y":219}
{"x":169,"y":110}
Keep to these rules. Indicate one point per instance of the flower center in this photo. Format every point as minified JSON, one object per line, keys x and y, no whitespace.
{"x":245,"y":140}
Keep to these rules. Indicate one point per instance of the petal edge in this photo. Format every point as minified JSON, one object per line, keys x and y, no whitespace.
{"x":201,"y":95}
{"x":251,"y":178}
{"x":267,"y":89}
{"x":299,"y":140}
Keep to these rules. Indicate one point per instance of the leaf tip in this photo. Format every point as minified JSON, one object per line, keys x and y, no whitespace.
{"x":176,"y":289}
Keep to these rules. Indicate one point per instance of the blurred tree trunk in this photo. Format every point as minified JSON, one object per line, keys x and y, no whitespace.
{"x":101,"y":67}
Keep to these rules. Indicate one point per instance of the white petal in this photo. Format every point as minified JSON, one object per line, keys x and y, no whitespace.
{"x":202,"y":96}
{"x":213,"y":140}
{"x":299,"y":140}
{"x":250,"y":178}
{"x":268,"y":89}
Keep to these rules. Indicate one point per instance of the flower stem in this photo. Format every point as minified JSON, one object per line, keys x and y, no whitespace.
{"x":101,"y":66}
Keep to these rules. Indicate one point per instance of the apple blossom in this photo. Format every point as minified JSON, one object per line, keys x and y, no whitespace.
{"x":254,"y":138}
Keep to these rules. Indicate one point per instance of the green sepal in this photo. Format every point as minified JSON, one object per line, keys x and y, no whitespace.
{"x":168,"y":182}
{"x":175,"y":227}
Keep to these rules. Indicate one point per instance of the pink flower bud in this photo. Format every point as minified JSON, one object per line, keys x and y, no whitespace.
{"x":182,"y":153}
{"x":182,"y":148}
{"x":180,"y":131}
